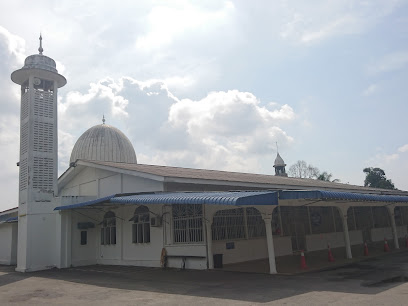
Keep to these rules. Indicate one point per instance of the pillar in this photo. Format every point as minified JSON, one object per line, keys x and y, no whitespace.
{"x":343,"y":214}
{"x":391,"y":212}
{"x":209,"y":244}
{"x":269,"y":240}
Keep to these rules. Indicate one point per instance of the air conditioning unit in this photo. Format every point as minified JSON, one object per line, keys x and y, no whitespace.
{"x":156,"y":221}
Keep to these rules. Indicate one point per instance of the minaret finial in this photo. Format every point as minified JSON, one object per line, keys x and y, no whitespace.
{"x":40,"y":49}
{"x":277,"y":149}
{"x":103,"y":119}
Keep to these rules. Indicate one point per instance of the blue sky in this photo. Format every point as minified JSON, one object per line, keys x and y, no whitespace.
{"x":215,"y":84}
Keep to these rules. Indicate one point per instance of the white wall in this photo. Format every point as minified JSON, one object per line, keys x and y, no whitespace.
{"x":317,"y":242}
{"x":378,"y":234}
{"x":100,"y":183}
{"x":402,"y":231}
{"x":8,"y":243}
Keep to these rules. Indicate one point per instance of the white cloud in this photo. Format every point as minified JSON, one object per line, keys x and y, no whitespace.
{"x":166,"y":23}
{"x":390,"y":62}
{"x":370,"y":90}
{"x":225,"y":130}
{"x":307,"y":23}
{"x":403,"y":149}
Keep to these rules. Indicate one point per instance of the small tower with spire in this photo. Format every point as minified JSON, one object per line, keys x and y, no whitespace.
{"x":279,"y":164}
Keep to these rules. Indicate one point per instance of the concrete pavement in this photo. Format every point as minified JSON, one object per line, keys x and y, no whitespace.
{"x":374,"y":282}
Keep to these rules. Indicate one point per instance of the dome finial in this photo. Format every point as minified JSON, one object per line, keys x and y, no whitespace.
{"x":40,"y":49}
{"x":103,"y":119}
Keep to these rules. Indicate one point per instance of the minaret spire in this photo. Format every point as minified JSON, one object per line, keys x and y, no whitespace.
{"x":40,"y":49}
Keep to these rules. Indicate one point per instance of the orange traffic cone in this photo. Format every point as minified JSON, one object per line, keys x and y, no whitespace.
{"x":302,"y":260}
{"x":331,"y":258}
{"x":365,"y":249}
{"x":386,"y":247}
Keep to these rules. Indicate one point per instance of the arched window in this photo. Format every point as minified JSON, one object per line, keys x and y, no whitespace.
{"x":141,"y":225}
{"x":108,"y":229}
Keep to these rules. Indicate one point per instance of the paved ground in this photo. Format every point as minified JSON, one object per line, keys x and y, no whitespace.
{"x":380,"y":281}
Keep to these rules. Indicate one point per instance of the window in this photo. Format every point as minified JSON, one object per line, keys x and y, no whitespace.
{"x":84,"y":237}
{"x":108,"y":229}
{"x":228,"y":224}
{"x":232,"y":223}
{"x":141,"y":225}
{"x":187,"y":223}
{"x":255,"y":223}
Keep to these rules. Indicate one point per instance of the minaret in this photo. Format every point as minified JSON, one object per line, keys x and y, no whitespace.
{"x":39,"y":80}
{"x":279,"y":164}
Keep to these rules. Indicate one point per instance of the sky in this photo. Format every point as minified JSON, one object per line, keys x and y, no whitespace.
{"x":216,"y":84}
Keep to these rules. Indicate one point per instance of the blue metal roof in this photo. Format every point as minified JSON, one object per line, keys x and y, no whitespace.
{"x":221,"y":198}
{"x":214,"y":198}
{"x":12,"y":219}
{"x":336,"y":195}
{"x":87,"y":203}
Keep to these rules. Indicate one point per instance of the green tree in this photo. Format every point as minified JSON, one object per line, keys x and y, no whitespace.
{"x":325,"y":176}
{"x":375,"y":177}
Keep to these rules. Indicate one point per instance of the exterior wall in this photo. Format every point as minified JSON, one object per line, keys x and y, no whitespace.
{"x":84,"y":254}
{"x":335,"y":240}
{"x":379,"y":234}
{"x":100,"y":183}
{"x":8,"y":242}
{"x":402,"y":231}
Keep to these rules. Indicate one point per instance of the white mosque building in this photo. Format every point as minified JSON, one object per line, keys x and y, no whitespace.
{"x":108,"y":209}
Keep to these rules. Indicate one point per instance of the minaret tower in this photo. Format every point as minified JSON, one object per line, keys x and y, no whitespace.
{"x":39,"y":80}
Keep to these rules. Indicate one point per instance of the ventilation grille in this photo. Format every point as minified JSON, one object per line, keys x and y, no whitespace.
{"x":43,"y":173}
{"x":24,"y":139}
{"x":43,"y":103}
{"x":23,"y":174}
{"x":24,"y":105}
{"x":43,"y":137}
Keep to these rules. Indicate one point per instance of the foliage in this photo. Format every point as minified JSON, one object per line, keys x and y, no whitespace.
{"x":325,"y":176}
{"x":375,"y":177}
{"x":302,"y":170}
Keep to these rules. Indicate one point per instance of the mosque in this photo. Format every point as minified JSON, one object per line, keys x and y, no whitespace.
{"x":108,"y":209}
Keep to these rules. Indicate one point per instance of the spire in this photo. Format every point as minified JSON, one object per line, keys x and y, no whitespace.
{"x":103,"y":119}
{"x":40,"y":49}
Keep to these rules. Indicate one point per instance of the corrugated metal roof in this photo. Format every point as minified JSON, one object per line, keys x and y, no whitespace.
{"x":209,"y":198}
{"x":87,"y":203}
{"x":215,"y":198}
{"x":336,"y":195}
{"x":270,"y":181}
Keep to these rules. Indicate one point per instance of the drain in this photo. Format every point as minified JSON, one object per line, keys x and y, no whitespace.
{"x":391,"y":280}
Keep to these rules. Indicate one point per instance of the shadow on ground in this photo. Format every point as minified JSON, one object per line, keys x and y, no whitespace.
{"x":370,"y":277}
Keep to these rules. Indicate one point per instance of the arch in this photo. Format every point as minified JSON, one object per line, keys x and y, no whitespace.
{"x":108,"y":229}
{"x":141,"y":225}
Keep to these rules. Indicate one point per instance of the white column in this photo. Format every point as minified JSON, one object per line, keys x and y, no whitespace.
{"x":269,"y":239}
{"x":393,"y":225}
{"x":209,"y":244}
{"x":343,"y":213}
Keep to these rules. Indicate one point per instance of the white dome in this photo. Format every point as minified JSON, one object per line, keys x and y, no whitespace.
{"x":104,"y":143}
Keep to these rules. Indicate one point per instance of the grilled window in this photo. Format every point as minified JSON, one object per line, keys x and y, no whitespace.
{"x":187,"y":223}
{"x":141,"y":225}
{"x":108,"y":229}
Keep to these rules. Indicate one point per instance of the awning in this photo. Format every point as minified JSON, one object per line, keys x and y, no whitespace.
{"x":209,"y":198}
{"x":10,"y":220}
{"x":87,"y":203}
{"x":335,"y":195}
